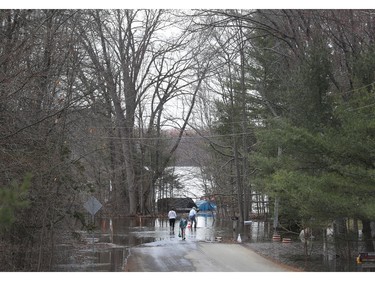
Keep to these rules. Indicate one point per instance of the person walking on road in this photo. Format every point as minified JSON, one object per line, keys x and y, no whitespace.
{"x":192,"y":217}
{"x":172,"y":219}
{"x":183,"y":224}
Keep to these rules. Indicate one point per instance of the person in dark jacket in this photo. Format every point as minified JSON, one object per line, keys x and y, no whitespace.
{"x":183,"y":224}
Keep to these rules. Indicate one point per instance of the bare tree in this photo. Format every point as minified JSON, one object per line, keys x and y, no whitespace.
{"x":140,"y":70}
{"x":37,"y":67}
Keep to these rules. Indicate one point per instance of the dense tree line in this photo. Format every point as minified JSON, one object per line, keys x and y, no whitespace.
{"x":296,"y":110}
{"x":283,"y":100}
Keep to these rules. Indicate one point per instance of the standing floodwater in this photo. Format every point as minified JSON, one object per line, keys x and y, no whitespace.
{"x":108,"y":246}
{"x":114,"y":236}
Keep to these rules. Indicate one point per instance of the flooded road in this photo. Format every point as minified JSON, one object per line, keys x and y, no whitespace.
{"x":176,"y":255}
{"x":108,"y":248}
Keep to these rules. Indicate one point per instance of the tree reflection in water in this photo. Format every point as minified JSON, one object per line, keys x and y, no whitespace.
{"x":115,"y":236}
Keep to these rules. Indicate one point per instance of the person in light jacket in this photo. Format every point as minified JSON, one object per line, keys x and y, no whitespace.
{"x":192,"y":217}
{"x":172,"y":218}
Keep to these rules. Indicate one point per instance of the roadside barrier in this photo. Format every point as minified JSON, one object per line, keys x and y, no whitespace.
{"x":276,"y":237}
{"x":287,"y":240}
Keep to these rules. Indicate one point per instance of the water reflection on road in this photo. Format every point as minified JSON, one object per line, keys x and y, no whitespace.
{"x":107,"y":248}
{"x":131,"y":232}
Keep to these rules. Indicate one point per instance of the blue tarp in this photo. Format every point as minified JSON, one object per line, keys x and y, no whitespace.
{"x":204,"y":205}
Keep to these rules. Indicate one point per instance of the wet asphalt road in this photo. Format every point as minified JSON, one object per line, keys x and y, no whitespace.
{"x":191,"y":255}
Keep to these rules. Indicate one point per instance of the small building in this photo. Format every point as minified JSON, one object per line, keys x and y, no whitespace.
{"x":181,"y":205}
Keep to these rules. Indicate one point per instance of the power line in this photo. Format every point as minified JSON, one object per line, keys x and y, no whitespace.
{"x":173,"y":137}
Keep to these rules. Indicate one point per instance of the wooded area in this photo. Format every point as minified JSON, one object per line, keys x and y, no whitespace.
{"x":276,"y":105}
